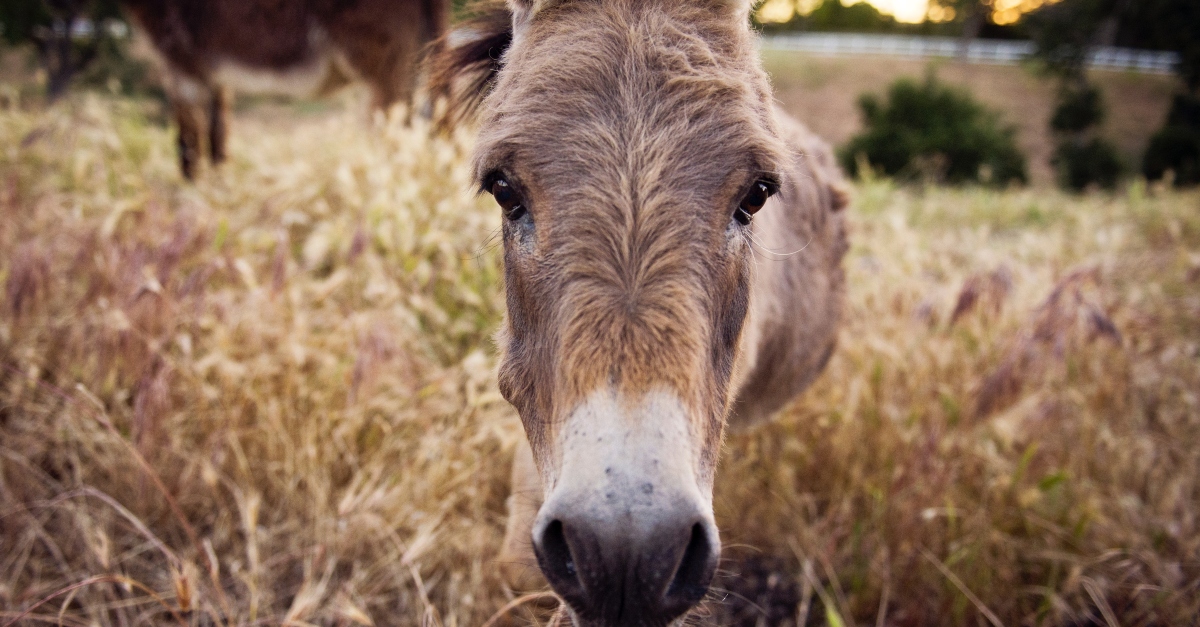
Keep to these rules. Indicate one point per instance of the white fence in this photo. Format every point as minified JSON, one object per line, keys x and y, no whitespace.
{"x":990,"y":51}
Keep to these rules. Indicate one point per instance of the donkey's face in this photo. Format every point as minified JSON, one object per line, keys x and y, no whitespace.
{"x":629,"y":143}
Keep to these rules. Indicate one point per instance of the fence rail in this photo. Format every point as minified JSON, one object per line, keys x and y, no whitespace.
{"x":987,"y":51}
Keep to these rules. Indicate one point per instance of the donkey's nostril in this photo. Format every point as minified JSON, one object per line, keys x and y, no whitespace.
{"x":625,"y":571}
{"x":695,"y":571}
{"x":557,"y":562}
{"x":558,"y":554}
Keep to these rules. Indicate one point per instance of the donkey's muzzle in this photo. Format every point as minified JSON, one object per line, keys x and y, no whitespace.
{"x":627,"y":574}
{"x":626,"y":534}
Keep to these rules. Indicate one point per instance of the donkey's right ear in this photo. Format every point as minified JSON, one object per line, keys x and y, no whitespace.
{"x":462,"y":65}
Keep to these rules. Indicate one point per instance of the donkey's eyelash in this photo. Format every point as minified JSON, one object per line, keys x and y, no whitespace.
{"x":770,"y":180}
{"x":757,"y":176}
{"x":489,"y":179}
{"x":485,"y":181}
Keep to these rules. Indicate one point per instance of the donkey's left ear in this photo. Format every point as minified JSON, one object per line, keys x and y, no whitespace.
{"x":463,"y":64}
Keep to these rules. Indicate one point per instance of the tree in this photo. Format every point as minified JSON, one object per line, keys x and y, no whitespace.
{"x":971,"y":14}
{"x":1172,"y":25}
{"x":1166,"y":25}
{"x":1066,"y":31}
{"x":1065,"y":34}
{"x":67,"y":34}
{"x":1176,"y":147}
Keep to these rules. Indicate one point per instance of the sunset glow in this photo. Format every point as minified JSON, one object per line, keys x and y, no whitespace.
{"x":908,"y":11}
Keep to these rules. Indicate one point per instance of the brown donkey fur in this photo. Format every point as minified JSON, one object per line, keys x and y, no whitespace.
{"x":622,"y":138}
{"x":309,"y":45}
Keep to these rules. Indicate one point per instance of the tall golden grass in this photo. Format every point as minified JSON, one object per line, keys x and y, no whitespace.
{"x":268,"y":398}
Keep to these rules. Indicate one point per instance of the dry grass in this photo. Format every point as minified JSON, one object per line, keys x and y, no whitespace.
{"x":269,"y":398}
{"x":1016,"y":398}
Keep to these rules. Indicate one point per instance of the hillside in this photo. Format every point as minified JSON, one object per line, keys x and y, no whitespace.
{"x":824,"y":93}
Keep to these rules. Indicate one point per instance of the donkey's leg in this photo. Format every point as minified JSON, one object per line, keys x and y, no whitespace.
{"x":187,"y":116}
{"x":218,"y":123}
{"x":518,"y":565}
{"x":188,"y":97}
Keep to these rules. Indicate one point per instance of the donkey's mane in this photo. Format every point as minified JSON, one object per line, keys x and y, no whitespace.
{"x":465,"y":61}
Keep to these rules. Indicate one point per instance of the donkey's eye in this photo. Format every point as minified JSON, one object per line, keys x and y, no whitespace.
{"x":509,"y":200}
{"x":753,"y":201}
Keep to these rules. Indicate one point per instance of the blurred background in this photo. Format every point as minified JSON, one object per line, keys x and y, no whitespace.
{"x":1090,"y":91}
{"x":267,"y":395}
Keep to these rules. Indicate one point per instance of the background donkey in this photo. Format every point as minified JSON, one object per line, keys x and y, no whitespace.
{"x":271,"y":45}
{"x":672,"y":250}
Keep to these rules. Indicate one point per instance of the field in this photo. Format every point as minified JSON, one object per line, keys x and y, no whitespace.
{"x":825,"y":91}
{"x":269,"y":398}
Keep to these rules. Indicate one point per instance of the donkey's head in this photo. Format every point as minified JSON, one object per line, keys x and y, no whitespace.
{"x":629,"y":144}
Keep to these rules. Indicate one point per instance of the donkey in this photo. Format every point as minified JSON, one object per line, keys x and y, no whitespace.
{"x":672,"y":259}
{"x":300,"y":46}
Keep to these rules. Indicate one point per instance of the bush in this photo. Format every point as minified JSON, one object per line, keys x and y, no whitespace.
{"x":1079,"y":108}
{"x":1081,"y":164}
{"x":1177,"y":146}
{"x":932,"y":131}
{"x":1082,"y":159}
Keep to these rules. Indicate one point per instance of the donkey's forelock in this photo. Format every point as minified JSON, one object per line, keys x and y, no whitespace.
{"x":658,"y":80}
{"x":464,"y":63}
